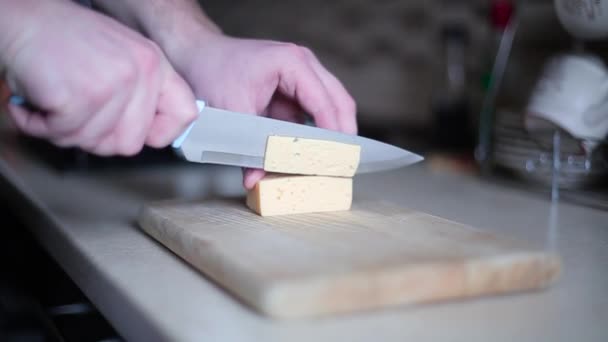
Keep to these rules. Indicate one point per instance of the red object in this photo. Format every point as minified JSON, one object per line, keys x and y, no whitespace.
{"x":500,"y":13}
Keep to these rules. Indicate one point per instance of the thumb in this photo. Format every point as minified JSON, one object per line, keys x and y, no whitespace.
{"x":175,"y":110}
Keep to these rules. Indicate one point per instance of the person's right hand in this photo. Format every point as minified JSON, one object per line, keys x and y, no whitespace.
{"x":100,"y":86}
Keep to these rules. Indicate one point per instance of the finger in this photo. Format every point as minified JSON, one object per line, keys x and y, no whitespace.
{"x":251,"y":177}
{"x":282,"y":108}
{"x":106,"y":146}
{"x":175,"y":110}
{"x":298,"y":81}
{"x":113,"y":142}
{"x":30,"y":123}
{"x":133,"y":126}
{"x":347,"y":111}
{"x":99,"y":125}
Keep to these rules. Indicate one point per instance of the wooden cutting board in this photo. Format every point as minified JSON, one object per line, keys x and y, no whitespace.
{"x":373,"y":256}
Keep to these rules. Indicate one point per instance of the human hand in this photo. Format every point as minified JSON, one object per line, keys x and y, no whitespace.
{"x":100,"y":85}
{"x":280,"y":80}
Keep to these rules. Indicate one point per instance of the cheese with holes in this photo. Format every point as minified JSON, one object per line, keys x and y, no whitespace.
{"x":288,"y":194}
{"x":311,"y":157}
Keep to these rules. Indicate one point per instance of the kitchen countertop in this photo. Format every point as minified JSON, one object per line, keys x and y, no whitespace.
{"x":86,"y":222}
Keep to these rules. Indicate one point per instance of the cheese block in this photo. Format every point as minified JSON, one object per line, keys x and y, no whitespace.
{"x":286,"y":194}
{"x":311,"y":157}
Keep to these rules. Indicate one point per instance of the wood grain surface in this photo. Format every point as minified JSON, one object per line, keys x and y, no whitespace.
{"x":375,"y":255}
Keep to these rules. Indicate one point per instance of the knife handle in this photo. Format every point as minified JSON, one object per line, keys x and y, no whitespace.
{"x":177,"y":143}
{"x":18,"y":100}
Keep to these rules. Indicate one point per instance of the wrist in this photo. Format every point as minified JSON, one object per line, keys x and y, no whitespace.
{"x":179,"y":39}
{"x":181,"y":47}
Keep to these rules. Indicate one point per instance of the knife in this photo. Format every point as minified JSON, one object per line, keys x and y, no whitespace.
{"x":223,"y":137}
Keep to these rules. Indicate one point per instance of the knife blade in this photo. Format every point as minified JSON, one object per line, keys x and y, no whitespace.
{"x":223,"y":137}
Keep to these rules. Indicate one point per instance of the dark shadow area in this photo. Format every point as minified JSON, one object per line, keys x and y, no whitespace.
{"x":38,"y":301}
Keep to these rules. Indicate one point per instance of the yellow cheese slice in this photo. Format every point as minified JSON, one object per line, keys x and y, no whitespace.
{"x":311,"y":157}
{"x":286,"y":194}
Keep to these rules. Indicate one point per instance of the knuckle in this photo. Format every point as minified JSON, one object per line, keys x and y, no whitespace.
{"x":104,"y":90}
{"x":121,"y":74}
{"x":125,"y":73}
{"x":149,"y":57}
{"x":152,"y":45}
{"x":57,"y":100}
{"x":294,"y":50}
{"x":350,"y":106}
{"x":97,"y":94}
{"x":307,"y":52}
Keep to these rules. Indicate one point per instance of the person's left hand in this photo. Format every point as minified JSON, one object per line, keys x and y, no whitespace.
{"x":280,"y":80}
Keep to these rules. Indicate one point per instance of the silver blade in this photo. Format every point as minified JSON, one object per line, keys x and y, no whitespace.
{"x":224,"y":137}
